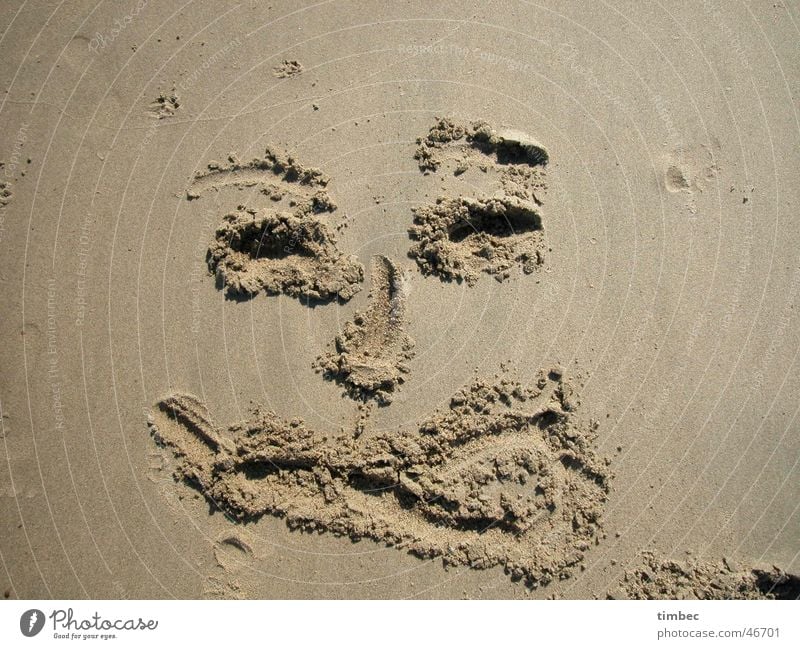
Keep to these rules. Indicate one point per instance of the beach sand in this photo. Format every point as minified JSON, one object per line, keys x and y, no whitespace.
{"x":389,"y":300}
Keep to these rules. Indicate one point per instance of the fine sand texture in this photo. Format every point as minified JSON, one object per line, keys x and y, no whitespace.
{"x":400,"y":300}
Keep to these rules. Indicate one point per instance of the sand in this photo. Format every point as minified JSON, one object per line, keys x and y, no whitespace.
{"x":378,"y":300}
{"x":503,"y":477}
{"x":371,"y":354}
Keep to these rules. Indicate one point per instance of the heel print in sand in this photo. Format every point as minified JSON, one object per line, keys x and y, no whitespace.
{"x":504,"y":476}
{"x":284,"y":248}
{"x":369,"y":356}
{"x":460,"y":238}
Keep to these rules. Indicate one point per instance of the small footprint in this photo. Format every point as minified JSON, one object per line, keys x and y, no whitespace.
{"x":690,"y":169}
{"x":165,"y":105}
{"x":287,"y":69}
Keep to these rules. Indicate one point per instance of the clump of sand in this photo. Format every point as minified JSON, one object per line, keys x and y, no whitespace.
{"x":282,"y":253}
{"x":459,"y":238}
{"x":659,"y":578}
{"x":477,"y":143}
{"x":287,"y":69}
{"x":506,"y":475}
{"x":369,"y":356}
{"x":285,"y":248}
{"x":5,"y":193}
{"x":165,"y":105}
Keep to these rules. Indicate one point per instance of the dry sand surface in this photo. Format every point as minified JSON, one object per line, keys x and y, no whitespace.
{"x":408,"y":299}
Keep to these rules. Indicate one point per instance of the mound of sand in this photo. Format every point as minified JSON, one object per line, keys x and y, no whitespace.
{"x":504,"y":476}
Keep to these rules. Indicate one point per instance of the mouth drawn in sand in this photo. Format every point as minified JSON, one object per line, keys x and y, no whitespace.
{"x":505,"y":476}
{"x":285,"y":248}
{"x":369,"y":356}
{"x":659,"y":578}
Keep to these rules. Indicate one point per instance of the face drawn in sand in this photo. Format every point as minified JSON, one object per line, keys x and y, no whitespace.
{"x":286,"y":247}
{"x":459,"y":238}
{"x":369,"y":356}
{"x":660,"y":578}
{"x":505,"y":476}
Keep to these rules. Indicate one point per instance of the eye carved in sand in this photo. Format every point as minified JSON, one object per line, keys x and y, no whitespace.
{"x":505,"y":475}
{"x":282,"y":253}
{"x":457,"y":239}
{"x":285,"y":248}
{"x":460,"y":238}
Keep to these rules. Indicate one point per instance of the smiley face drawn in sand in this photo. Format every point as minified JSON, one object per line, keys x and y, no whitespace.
{"x":505,"y":475}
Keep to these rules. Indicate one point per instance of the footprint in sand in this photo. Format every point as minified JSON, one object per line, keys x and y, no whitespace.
{"x":165,"y":105}
{"x":690,"y":171}
{"x":287,"y":69}
{"x":505,"y":475}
